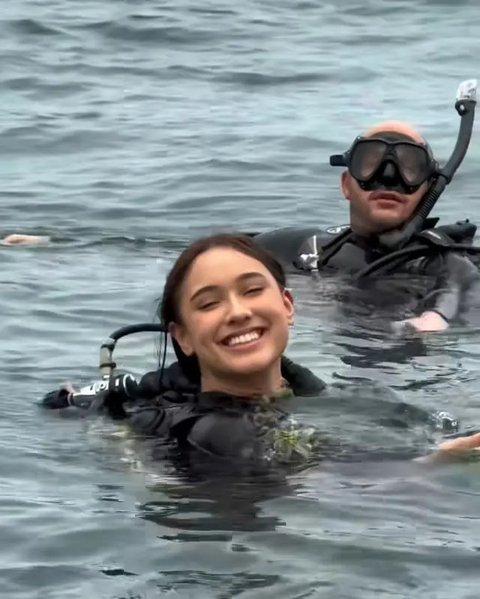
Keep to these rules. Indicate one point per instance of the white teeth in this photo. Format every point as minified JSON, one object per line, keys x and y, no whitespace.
{"x":243,"y":338}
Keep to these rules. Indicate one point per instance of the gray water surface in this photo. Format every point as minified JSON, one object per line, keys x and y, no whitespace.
{"x":128,"y":128}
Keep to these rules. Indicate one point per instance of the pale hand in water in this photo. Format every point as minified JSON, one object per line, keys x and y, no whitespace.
{"x":20,"y":239}
{"x":453,"y":450}
{"x":461,"y":444}
{"x":427,"y":322}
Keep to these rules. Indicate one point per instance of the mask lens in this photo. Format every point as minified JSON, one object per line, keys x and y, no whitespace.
{"x":413,"y":163}
{"x":366,"y":157}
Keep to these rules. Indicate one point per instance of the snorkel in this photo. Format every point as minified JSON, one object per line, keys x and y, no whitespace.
{"x":440,"y":178}
{"x":465,"y":106}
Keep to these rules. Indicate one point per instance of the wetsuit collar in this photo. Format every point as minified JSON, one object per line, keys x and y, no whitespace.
{"x":372,"y":243}
{"x":301,"y":382}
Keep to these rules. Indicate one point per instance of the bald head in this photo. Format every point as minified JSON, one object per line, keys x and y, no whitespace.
{"x":396,"y":127}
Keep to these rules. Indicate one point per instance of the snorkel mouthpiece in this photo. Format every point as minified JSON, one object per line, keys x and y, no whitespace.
{"x":466,"y":100}
{"x":467,"y":92}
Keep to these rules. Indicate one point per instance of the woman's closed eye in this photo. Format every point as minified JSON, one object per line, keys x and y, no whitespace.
{"x":254,"y":290}
{"x":208,"y":304}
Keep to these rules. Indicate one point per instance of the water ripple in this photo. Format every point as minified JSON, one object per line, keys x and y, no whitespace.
{"x":127,"y":129}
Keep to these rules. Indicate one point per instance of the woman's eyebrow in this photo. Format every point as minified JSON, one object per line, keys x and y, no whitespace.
{"x":206,"y":289}
{"x":251,"y":275}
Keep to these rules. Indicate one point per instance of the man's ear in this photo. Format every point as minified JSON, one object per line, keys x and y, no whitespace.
{"x":179,"y":333}
{"x":288,"y":302}
{"x":345,"y":184}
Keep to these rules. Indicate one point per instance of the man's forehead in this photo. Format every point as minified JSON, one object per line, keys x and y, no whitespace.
{"x":395,"y":127}
{"x":392,"y":136}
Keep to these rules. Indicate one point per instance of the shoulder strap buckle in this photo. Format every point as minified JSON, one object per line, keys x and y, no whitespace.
{"x":308,"y":260}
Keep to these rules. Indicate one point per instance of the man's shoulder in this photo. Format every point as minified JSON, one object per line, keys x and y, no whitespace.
{"x":462,"y":231}
{"x":289,"y":243}
{"x":298,"y":234}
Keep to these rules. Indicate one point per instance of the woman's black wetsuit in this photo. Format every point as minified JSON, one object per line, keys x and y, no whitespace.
{"x":171,"y":408}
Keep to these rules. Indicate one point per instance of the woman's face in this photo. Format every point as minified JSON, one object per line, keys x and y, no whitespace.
{"x":234,"y":316}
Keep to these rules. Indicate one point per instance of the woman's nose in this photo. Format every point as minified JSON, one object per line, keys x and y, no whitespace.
{"x":238,"y":309}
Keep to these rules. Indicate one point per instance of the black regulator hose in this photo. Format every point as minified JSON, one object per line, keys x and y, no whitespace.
{"x":107,"y":348}
{"x":416,"y":251}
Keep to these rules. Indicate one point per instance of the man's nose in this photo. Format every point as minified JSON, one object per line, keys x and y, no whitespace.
{"x":389,"y":172}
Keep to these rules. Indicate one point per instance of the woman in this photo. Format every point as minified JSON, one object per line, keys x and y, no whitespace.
{"x":228,"y":312}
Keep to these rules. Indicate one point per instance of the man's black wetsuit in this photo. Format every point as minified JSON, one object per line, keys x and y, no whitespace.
{"x":338,"y":250}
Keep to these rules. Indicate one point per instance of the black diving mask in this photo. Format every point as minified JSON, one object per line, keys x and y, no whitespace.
{"x":388,"y":161}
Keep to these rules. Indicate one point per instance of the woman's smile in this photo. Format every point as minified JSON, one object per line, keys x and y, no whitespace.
{"x":244,"y":340}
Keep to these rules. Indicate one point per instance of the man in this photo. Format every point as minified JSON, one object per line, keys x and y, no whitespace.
{"x":390,"y":169}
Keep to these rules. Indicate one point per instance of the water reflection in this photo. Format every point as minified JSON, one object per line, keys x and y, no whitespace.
{"x":210,"y":506}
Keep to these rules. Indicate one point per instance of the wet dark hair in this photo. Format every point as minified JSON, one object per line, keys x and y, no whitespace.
{"x":169,"y":307}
